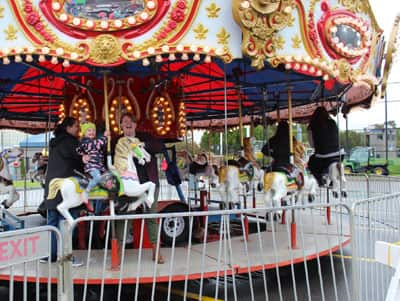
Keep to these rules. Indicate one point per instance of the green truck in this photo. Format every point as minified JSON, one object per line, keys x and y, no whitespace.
{"x":363,"y":160}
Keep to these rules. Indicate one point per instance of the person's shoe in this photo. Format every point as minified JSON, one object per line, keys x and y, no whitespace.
{"x":76,"y":263}
{"x":46,"y":260}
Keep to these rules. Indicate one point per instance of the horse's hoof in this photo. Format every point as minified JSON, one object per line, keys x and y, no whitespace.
{"x":121,"y":207}
{"x":260,"y":187}
{"x":335,"y":194}
{"x":344,"y":194}
{"x":277,"y":217}
{"x":284,"y":203}
{"x":311,"y":198}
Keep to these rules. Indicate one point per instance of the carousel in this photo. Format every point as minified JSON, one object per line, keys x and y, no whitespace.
{"x":179,"y":65}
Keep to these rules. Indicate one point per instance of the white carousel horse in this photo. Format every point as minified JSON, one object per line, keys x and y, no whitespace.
{"x":129,"y":181}
{"x":309,"y":191}
{"x":8,"y":156}
{"x":335,"y":179}
{"x":278,"y":188}
{"x":231,"y":178}
{"x":39,"y":166}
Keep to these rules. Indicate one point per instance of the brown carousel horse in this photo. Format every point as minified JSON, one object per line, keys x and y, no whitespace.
{"x":39,"y":166}
{"x":194,"y":167}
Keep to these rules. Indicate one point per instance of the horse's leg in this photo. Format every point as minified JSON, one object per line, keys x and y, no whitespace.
{"x":334,"y":176}
{"x":150,"y":193}
{"x":233,"y":195}
{"x":13,"y":196}
{"x":71,"y":199}
{"x":268,"y":197}
{"x":222,"y":194}
{"x":134,"y":189}
{"x":343,"y":181}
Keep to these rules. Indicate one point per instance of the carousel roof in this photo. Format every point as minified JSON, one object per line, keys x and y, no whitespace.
{"x":231,"y":59}
{"x":35,"y":91}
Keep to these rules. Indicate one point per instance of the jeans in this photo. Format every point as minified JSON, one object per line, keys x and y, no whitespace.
{"x":53,"y":219}
{"x":96,"y":177}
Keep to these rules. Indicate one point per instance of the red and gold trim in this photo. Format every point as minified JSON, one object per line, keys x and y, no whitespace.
{"x":308,"y":30}
{"x":328,"y":27}
{"x":82,"y":28}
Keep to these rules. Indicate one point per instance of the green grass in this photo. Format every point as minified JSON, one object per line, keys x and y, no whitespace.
{"x":29,"y":184}
{"x":394,"y":170}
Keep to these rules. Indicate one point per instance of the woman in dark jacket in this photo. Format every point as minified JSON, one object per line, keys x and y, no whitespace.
{"x":278,"y":146}
{"x":323,"y":135}
{"x":63,"y":160}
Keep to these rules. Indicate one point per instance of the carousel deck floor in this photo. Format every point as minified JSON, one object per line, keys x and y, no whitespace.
{"x":314,"y":237}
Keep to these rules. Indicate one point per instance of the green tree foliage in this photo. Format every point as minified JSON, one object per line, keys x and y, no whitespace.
{"x":354,"y":139}
{"x":211,"y":140}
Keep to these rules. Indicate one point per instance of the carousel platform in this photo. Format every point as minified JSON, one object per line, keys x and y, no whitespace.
{"x":314,"y":238}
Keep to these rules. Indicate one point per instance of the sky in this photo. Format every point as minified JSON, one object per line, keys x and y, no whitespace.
{"x":385,"y":12}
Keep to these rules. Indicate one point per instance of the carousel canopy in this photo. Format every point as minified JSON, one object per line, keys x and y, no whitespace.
{"x":223,"y":61}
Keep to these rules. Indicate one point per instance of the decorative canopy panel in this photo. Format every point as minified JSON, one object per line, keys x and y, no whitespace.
{"x":214,"y":58}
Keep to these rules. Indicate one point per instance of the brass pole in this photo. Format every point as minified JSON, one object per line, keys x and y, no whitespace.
{"x":106,"y":114}
{"x":192,"y":133}
{"x":290,"y":124}
{"x":240,"y":116}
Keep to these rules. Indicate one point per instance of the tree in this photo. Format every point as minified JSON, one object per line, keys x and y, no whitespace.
{"x":354,"y":139}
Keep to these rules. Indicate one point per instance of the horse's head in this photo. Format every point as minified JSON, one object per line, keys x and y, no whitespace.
{"x":36,"y":157}
{"x":185,"y":155}
{"x":12,"y":155}
{"x":140,"y":153}
{"x":109,"y":182}
{"x":248,"y":152}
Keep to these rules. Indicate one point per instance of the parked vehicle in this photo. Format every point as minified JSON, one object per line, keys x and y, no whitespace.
{"x":363,"y":159}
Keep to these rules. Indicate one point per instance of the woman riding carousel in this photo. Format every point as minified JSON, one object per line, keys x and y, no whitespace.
{"x":278,"y":147}
{"x":323,"y":136}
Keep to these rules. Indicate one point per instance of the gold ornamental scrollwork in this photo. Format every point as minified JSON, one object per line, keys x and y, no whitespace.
{"x":356,"y":6}
{"x":105,"y":49}
{"x":260,"y":21}
{"x":344,"y":70}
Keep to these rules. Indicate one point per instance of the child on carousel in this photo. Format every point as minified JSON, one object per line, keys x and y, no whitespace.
{"x":92,"y":150}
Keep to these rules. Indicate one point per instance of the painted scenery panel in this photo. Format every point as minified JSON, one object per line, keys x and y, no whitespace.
{"x":103,"y":9}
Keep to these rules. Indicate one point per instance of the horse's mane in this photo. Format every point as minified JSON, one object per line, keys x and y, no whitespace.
{"x":122,"y":150}
{"x":248,"y":149}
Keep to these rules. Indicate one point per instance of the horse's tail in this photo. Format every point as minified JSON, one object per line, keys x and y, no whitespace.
{"x":223,"y":170}
{"x":268,"y":180}
{"x":54,"y":187}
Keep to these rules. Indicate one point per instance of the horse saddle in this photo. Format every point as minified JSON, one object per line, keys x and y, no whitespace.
{"x":323,"y":177}
{"x":246,"y":168}
{"x":82,"y":179}
{"x":110,"y":183}
{"x":195,"y":168}
{"x":292,"y":173}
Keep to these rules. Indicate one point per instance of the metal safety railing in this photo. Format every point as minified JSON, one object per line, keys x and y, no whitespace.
{"x":223,"y":255}
{"x":362,"y":186}
{"x":375,"y":219}
{"x":22,"y":276}
{"x":314,"y":252}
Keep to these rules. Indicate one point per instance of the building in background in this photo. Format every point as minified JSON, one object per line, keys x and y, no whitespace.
{"x":376,"y":138}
